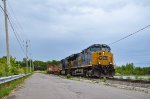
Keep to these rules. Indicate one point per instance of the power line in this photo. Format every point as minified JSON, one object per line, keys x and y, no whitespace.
{"x":1,"y":22}
{"x":16,"y":34}
{"x":14,"y":25}
{"x":17,"y":37}
{"x":1,"y":7}
{"x":130,"y":35}
{"x":17,"y":24}
{"x":6,"y":31}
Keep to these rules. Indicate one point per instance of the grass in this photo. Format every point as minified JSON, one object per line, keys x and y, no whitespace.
{"x":6,"y":88}
{"x":120,"y":77}
{"x":128,"y":78}
{"x":104,"y":79}
{"x":68,"y":76}
{"x":43,"y":72}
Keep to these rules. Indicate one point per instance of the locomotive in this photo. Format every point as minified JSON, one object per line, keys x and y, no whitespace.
{"x":96,"y":60}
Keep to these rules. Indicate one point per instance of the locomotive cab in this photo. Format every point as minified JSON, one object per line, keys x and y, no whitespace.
{"x":102,"y":62}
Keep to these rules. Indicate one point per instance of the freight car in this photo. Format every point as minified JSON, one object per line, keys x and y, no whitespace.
{"x":53,"y":69}
{"x":96,"y":60}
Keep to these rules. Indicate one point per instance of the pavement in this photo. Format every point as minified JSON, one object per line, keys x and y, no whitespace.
{"x":41,"y":86}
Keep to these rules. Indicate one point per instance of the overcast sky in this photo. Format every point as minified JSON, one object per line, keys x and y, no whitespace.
{"x":58,"y":28}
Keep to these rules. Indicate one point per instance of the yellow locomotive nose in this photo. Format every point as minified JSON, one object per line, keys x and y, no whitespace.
{"x":102,"y":58}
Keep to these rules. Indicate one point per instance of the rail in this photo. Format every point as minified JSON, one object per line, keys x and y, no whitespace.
{"x":11,"y":78}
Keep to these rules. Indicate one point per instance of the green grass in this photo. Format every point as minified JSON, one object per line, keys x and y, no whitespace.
{"x":6,"y":88}
{"x":43,"y":72}
{"x":68,"y":76}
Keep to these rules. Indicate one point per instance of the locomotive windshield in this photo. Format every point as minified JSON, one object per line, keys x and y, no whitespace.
{"x":95,"y":49}
{"x":106,"y":48}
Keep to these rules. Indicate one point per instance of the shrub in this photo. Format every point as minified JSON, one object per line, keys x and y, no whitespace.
{"x":104,"y":79}
{"x":136,"y":77}
{"x":128,"y":77}
{"x":68,"y":76}
{"x":120,"y":77}
{"x":140,"y":78}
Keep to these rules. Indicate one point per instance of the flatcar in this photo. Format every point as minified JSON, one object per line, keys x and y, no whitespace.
{"x":96,"y":60}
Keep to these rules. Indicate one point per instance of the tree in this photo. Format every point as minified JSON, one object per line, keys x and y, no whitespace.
{"x":14,"y":69}
{"x":130,"y":69}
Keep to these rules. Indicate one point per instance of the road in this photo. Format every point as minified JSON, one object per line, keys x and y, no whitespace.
{"x":40,"y":86}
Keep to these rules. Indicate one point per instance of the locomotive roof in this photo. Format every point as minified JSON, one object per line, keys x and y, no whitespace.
{"x":72,"y":56}
{"x":92,"y":46}
{"x":96,"y":45}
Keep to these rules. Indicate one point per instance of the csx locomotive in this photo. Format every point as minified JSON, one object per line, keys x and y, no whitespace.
{"x":96,"y":60}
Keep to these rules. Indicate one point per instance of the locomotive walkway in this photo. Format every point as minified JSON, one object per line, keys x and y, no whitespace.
{"x":40,"y":86}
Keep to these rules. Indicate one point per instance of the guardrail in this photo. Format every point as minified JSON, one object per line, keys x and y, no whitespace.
{"x":11,"y":78}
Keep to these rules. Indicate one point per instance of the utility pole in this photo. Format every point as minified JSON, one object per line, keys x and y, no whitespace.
{"x":27,"y":56}
{"x":30,"y":64}
{"x":30,"y":55}
{"x":6,"y":30}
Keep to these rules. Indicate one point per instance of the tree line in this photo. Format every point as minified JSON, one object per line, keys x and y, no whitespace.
{"x":130,"y":69}
{"x":19,"y":67}
{"x":41,"y":65}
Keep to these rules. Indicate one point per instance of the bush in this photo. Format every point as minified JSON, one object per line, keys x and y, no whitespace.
{"x":120,"y":77}
{"x":140,"y":78}
{"x":128,"y":77}
{"x":13,"y":69}
{"x":68,"y":76}
{"x":104,"y":79}
{"x":136,"y":77}
{"x":4,"y":70}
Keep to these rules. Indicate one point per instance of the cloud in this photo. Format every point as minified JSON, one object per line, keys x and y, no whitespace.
{"x":64,"y":27}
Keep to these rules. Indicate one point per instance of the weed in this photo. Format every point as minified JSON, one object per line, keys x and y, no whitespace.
{"x":6,"y":88}
{"x":68,"y":76}
{"x":136,"y":77}
{"x":104,"y":79}
{"x":128,"y":77}
{"x":120,"y":77}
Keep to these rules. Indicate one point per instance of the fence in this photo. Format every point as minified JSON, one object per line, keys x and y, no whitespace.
{"x":11,"y":78}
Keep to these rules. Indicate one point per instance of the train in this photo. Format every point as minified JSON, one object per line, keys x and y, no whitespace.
{"x":96,"y":60}
{"x":53,"y":69}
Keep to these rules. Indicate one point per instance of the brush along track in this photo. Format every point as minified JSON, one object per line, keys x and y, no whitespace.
{"x":137,"y":85}
{"x":129,"y":82}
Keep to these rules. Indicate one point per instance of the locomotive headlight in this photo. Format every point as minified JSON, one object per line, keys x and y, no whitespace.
{"x":103,"y":53}
{"x":99,"y":63}
{"x":110,"y":63}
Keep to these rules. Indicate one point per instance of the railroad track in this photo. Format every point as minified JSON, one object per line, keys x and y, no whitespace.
{"x":119,"y":82}
{"x":129,"y":82}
